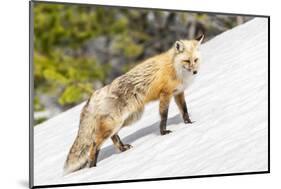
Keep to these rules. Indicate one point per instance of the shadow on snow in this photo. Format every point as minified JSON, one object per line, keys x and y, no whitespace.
{"x":152,"y":129}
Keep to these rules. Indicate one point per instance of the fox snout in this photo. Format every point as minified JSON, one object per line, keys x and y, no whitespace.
{"x":190,"y":70}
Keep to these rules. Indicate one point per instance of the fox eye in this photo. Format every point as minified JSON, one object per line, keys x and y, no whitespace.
{"x":196,"y":59}
{"x":188,"y":61}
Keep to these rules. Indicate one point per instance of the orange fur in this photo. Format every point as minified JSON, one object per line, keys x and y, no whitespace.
{"x":122,"y":102}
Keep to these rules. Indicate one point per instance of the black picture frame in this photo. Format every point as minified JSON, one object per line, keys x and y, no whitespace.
{"x":31,"y":87}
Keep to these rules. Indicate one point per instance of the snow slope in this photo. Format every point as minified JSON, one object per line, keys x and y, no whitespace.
{"x":228,"y":102}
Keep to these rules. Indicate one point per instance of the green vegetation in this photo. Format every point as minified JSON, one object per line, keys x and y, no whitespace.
{"x":79,"y":48}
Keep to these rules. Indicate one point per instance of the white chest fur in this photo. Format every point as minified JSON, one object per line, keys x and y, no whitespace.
{"x":187,"y":78}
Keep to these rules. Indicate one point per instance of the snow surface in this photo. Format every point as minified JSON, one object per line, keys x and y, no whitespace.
{"x":228,"y":102}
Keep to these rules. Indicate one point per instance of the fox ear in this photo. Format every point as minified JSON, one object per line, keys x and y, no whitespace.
{"x":179,"y":46}
{"x":200,"y":39}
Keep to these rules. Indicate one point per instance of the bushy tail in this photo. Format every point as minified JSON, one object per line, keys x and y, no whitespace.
{"x":78,"y":155}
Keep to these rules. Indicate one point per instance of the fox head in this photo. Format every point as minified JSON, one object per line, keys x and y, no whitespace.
{"x":187,"y":56}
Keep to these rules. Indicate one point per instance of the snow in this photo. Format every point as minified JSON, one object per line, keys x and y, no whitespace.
{"x":227,"y":101}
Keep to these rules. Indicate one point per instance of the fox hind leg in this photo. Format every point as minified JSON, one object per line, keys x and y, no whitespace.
{"x":94,"y":151}
{"x":133,"y":117}
{"x":93,"y":155}
{"x":119,"y":144}
{"x":104,"y":130}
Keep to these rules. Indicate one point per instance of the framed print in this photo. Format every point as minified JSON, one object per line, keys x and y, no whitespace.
{"x":128,"y":94}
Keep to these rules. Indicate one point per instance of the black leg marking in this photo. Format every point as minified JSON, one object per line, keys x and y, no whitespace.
{"x":163,"y":123}
{"x":180,"y":101}
{"x":164,"y":108}
{"x":93,"y":157}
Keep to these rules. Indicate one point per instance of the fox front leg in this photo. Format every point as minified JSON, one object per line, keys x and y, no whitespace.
{"x":163,"y":109}
{"x":119,"y":144}
{"x":180,"y":101}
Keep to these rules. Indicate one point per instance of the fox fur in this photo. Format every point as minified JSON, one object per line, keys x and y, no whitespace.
{"x":122,"y":102}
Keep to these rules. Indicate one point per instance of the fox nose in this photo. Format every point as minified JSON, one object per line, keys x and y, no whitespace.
{"x":195,"y":72}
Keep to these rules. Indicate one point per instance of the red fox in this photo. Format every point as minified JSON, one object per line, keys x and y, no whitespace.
{"x":122,"y":102}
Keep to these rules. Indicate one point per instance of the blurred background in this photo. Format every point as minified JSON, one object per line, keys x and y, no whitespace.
{"x":80,"y":48}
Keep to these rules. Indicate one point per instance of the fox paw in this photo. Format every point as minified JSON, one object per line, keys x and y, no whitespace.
{"x":125,"y":147}
{"x":165,"y":132}
{"x":188,"y":121}
{"x":91,"y":164}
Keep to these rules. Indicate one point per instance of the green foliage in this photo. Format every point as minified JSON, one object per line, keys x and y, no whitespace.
{"x":51,"y":74}
{"x":128,"y":47}
{"x":70,"y":95}
{"x":37,"y":105}
{"x":40,"y":120}
{"x":66,"y":72}
{"x":60,"y":69}
{"x":66,"y":77}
